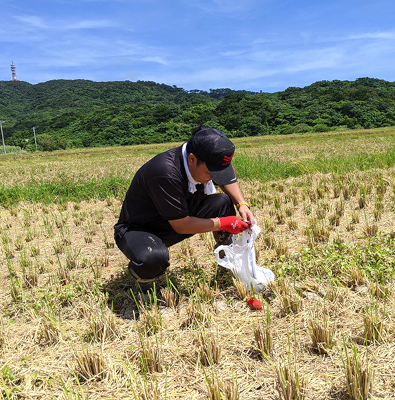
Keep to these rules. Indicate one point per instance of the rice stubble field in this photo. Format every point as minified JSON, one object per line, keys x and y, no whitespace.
{"x":72,"y":328}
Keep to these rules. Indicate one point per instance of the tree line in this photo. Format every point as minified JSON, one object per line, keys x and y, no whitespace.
{"x":81,"y":113}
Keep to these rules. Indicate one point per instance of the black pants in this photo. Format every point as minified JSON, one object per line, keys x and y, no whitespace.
{"x":147,"y":247}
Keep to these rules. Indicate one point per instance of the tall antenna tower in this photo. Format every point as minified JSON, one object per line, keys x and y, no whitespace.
{"x":13,"y":72}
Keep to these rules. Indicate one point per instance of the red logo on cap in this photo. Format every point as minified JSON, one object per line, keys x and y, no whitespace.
{"x":227,"y":160}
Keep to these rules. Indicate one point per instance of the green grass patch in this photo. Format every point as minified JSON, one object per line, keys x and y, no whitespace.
{"x":248,"y":167}
{"x":61,"y":192}
{"x":76,"y":175}
{"x":333,"y":262}
{"x":264,"y":168}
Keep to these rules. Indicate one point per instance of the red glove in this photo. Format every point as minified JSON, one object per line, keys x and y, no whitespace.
{"x":232,"y":224}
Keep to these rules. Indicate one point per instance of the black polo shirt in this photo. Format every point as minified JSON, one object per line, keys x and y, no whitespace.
{"x":159,"y":193}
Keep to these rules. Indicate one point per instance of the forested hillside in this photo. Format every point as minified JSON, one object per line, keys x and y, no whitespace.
{"x":80,"y":113}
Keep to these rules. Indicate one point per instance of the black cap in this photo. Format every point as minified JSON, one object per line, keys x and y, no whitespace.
{"x":214,"y":147}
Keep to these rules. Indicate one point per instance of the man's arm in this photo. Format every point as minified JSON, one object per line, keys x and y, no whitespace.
{"x":192,"y":225}
{"x":234,"y":192}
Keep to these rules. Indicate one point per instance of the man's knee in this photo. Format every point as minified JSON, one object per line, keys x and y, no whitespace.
{"x":223,"y":205}
{"x":148,"y":255}
{"x":216,"y":205}
{"x":226,"y":204}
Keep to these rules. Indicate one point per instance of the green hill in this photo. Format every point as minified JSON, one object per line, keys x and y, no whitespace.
{"x":81,"y":113}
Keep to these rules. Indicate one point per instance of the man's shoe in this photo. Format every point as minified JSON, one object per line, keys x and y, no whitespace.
{"x":145,"y":289}
{"x":143,"y":280}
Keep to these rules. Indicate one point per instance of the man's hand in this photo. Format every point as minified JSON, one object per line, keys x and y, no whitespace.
{"x":246,"y":215}
{"x":232,"y":224}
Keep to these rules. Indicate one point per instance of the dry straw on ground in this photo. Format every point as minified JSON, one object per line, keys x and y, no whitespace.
{"x":41,"y":352}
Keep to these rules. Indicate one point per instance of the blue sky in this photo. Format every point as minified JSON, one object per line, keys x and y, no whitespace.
{"x":266,"y":45}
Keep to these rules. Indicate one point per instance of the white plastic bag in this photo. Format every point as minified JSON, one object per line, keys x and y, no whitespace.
{"x":240,"y":259}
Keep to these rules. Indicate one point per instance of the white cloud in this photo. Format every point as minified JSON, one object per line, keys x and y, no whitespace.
{"x":233,"y":53}
{"x":373,"y":35}
{"x":89,"y":24}
{"x":379,"y":35}
{"x":63,"y":25}
{"x":215,"y":77}
{"x":158,"y":60}
{"x":32,"y":21}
